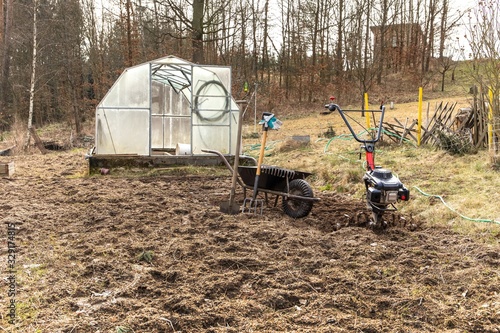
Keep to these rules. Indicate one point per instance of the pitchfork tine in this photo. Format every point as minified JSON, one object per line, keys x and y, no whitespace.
{"x":252,"y":205}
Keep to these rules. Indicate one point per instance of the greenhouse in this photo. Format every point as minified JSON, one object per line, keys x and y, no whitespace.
{"x":167,"y":107}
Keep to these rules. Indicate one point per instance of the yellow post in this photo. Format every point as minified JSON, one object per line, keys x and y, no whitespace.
{"x":419,"y":127}
{"x":367,"y":115}
{"x":490,"y":121}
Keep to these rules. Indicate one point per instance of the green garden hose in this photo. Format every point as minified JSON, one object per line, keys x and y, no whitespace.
{"x":454,"y":211}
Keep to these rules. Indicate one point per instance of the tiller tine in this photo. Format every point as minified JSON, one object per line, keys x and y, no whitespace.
{"x":252,"y":206}
{"x":378,"y":221}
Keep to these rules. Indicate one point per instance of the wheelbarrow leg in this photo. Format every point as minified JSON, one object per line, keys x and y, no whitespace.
{"x":276,"y":200}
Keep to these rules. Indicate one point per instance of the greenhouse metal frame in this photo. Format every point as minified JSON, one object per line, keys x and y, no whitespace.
{"x":168,"y":106}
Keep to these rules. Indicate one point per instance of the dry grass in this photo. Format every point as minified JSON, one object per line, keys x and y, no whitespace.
{"x":16,"y":137}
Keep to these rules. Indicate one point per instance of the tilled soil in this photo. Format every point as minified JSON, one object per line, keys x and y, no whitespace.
{"x":155,"y":254}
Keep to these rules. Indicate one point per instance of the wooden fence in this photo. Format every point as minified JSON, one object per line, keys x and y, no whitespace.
{"x":470,"y":124}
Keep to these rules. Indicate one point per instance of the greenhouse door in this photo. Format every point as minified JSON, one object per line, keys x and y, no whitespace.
{"x":170,"y":118}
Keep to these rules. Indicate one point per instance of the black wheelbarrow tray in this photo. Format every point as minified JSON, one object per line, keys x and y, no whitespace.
{"x":297,"y":195}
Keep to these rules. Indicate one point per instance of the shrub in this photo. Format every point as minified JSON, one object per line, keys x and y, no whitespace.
{"x":457,"y":143}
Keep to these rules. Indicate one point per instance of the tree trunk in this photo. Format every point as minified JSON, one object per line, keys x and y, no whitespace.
{"x":33,"y":76}
{"x":2,"y":21}
{"x":197,"y":34}
{"x":366,"y":45}
{"x":429,"y":36}
{"x":339,"y":62}
{"x":242,"y":50}
{"x":255,"y":60}
{"x":382,"y":61}
{"x":312,"y":73}
{"x":76,"y":110}
{"x":5,"y":41}
{"x":128,"y":19}
{"x":265,"y":53}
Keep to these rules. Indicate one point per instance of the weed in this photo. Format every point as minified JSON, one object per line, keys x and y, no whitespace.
{"x":146,"y":256}
{"x":329,"y":133}
{"x":327,"y":187}
{"x":253,"y":135}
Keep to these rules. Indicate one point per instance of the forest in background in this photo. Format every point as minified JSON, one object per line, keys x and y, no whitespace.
{"x":58,"y":58}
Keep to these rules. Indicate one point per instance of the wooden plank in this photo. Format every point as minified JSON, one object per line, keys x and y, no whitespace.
{"x":404,"y":131}
{"x":429,"y":132}
{"x":447,"y":118}
{"x":96,"y":162}
{"x":6,"y":169}
{"x":410,"y":129}
{"x":430,"y":127}
{"x":477,"y":121}
{"x":438,"y":110}
{"x":429,"y":135}
{"x":483,"y":140}
{"x":428,"y":107}
{"x":401,"y":135}
{"x":393,"y":130}
{"x":6,"y":151}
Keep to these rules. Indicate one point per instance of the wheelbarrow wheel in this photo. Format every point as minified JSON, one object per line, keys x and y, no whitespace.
{"x":297,"y":208}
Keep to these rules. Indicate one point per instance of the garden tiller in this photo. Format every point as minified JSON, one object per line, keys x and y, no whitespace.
{"x":383,"y":188}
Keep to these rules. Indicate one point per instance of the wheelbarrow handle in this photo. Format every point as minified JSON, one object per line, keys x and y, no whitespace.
{"x":223,"y":158}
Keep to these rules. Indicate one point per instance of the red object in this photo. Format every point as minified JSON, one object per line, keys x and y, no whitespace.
{"x":370,"y":159}
{"x":332,"y":98}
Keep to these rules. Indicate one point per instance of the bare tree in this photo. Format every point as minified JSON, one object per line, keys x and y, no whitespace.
{"x":339,"y":50}
{"x":326,"y":23}
{"x":361,"y":52}
{"x":128,"y":18}
{"x":93,"y":49}
{"x":6,"y":20}
{"x":256,"y":14}
{"x":33,"y":74}
{"x":445,"y":64}
{"x":297,"y":48}
{"x":483,"y":35}
{"x":287,"y":8}
{"x":69,"y":28}
{"x":432,"y":11}
{"x":316,"y":9}
{"x":265,"y":47}
{"x":198,"y":31}
{"x":384,"y":21}
{"x":199,"y":20}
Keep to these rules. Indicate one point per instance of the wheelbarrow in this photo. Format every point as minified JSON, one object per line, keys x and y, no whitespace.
{"x":297,"y":195}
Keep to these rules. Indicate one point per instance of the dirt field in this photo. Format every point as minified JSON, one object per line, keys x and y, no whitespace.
{"x":154,"y":254}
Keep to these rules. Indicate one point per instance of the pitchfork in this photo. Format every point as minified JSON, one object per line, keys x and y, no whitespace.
{"x":268,"y":121}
